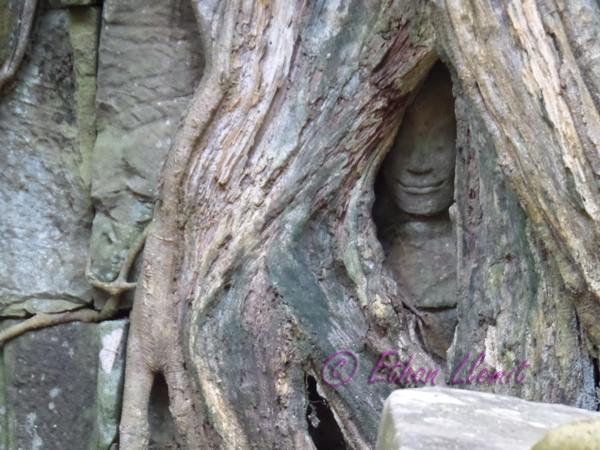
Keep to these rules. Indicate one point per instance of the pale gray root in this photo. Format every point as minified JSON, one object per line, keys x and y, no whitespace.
{"x":110,"y":308}
{"x":120,"y":284}
{"x":134,"y":430}
{"x":24,"y":25}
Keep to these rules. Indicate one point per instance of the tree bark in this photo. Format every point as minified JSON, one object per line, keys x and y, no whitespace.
{"x":263,"y":259}
{"x":16,"y":42}
{"x":529,"y":273}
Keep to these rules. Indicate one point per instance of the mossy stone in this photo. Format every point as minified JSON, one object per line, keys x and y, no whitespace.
{"x":581,"y":435}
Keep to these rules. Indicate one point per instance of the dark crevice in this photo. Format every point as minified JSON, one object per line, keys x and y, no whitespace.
{"x":122,"y":314}
{"x":163,"y":433}
{"x":597,"y":382}
{"x":322,"y":426}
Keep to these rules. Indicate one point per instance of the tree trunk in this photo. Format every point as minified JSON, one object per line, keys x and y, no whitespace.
{"x":529,"y":265}
{"x":263,"y":259}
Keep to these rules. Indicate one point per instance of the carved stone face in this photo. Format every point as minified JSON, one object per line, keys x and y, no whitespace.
{"x":419,"y":170}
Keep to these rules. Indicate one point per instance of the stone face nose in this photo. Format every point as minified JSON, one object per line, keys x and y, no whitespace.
{"x":434,"y":418}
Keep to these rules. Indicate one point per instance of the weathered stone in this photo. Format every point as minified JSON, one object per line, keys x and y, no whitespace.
{"x":46,"y":212}
{"x":443,"y":418}
{"x":415,"y":193}
{"x":419,"y":169}
{"x":148,"y":71}
{"x":50,"y":388}
{"x":582,"y":435}
{"x":61,"y":388}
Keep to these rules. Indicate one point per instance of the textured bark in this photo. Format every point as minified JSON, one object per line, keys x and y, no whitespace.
{"x":17,"y":42}
{"x":529,"y":273}
{"x":264,"y":261}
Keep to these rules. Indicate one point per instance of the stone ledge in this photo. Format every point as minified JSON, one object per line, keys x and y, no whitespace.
{"x":455,"y":419}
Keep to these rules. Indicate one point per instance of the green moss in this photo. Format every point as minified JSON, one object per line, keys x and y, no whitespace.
{"x":583,"y":435}
{"x":84,"y":29}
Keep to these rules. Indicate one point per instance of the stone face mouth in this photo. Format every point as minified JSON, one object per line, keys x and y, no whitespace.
{"x":420,"y":189}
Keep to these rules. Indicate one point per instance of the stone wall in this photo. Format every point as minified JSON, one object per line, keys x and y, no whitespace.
{"x":84,"y":128}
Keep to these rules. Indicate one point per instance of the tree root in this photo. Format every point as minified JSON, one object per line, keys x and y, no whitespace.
{"x":109,"y":310}
{"x":24,"y":25}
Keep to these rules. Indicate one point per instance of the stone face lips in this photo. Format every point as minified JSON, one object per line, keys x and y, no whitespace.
{"x":444,"y":418}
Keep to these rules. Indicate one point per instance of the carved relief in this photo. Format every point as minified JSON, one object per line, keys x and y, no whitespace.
{"x":415,"y":190}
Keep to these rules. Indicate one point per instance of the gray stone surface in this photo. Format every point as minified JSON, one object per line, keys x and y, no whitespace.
{"x":453,"y":419}
{"x":149,"y":66}
{"x":417,"y":235}
{"x":61,"y":387}
{"x":84,"y":28}
{"x":46,"y":211}
{"x":50,"y":388}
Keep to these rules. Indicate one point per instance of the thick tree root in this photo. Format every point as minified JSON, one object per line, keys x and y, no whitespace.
{"x":134,"y":429}
{"x":110,"y":309}
{"x":152,"y":349}
{"x":24,"y":25}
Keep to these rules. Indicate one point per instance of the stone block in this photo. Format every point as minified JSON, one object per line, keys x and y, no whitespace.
{"x":50,"y":388}
{"x":148,"y":71}
{"x":46,"y":216}
{"x":580,"y":435}
{"x":111,"y":376}
{"x":456,"y":419}
{"x":61,"y":387}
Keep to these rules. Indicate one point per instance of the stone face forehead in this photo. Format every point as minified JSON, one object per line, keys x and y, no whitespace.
{"x":444,"y":418}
